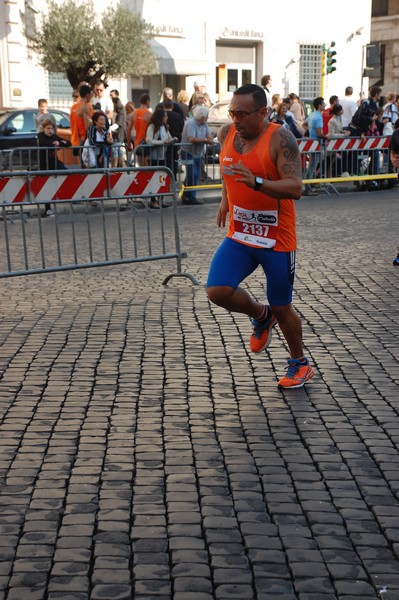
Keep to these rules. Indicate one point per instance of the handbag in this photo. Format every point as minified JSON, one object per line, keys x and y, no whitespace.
{"x":89,"y":157}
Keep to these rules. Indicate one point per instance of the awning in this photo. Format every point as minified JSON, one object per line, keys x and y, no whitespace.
{"x":174,"y":57}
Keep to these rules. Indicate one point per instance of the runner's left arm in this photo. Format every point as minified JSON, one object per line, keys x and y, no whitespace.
{"x":284,"y":153}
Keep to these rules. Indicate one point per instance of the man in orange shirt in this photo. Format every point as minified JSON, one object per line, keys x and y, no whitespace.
{"x":261,"y":170}
{"x":139,"y":123}
{"x":81,"y":113}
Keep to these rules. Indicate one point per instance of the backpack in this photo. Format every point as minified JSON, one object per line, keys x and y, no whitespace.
{"x":362,"y":117}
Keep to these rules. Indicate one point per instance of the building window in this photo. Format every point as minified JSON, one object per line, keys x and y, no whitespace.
{"x":59,"y":92}
{"x":379,"y":8}
{"x":310,"y":66}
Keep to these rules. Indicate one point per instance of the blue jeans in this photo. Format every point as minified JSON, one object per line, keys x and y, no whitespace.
{"x":193,"y":171}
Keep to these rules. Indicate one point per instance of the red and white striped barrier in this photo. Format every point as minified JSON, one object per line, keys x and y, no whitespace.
{"x":79,"y":186}
{"x":354,"y":143}
{"x":309,"y":145}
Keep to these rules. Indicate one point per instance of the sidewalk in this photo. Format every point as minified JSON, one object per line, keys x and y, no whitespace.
{"x":146,"y":454}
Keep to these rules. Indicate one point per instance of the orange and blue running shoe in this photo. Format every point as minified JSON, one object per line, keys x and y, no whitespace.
{"x":298,"y":373}
{"x":262,"y":333}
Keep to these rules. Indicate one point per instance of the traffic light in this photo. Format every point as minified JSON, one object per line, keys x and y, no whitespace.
{"x":330,"y":60}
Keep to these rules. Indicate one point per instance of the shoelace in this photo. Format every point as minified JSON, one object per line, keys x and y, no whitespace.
{"x":292,"y":370}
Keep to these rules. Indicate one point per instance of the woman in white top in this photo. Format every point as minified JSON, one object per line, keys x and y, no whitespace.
{"x":338,"y":162}
{"x":158,"y":137}
{"x":335,"y":126}
{"x":390,"y":114}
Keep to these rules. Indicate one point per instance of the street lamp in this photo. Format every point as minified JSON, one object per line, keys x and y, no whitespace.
{"x":352,"y":35}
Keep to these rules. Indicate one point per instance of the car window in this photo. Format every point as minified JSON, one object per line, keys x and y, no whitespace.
{"x":23,"y":122}
{"x":62,"y":120}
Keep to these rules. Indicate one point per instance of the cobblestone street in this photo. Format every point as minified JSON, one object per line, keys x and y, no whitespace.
{"x":146,"y":454}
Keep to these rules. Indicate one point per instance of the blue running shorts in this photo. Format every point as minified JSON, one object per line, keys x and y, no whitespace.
{"x":233,"y":262}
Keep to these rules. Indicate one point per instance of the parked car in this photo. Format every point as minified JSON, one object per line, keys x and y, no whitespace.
{"x":218,"y":116}
{"x":18,"y":130}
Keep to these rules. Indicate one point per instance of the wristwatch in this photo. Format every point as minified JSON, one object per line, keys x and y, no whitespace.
{"x":258,"y":183}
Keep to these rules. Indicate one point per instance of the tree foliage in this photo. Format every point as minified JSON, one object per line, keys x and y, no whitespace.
{"x":73,"y":40}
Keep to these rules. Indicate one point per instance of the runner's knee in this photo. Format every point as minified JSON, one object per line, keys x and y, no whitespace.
{"x":219,"y":294}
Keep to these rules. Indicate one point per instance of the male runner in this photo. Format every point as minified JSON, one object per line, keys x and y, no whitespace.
{"x":261,"y":171}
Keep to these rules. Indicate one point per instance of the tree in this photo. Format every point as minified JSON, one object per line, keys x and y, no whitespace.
{"x":72,"y":41}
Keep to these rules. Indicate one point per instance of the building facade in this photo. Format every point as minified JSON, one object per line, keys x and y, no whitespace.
{"x":225,"y":48}
{"x":385,"y":33}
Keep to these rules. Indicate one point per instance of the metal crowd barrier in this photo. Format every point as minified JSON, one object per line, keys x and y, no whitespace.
{"x":101,"y":217}
{"x":340,"y":159}
{"x":30,"y":158}
{"x":177,"y":159}
{"x":325,"y":162}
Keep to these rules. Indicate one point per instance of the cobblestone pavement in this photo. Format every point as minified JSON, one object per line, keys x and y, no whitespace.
{"x":146,"y":454}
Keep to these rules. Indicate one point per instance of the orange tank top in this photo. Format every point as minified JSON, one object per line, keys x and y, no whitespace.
{"x":78,"y":125}
{"x":140,"y":125}
{"x":256,"y":219}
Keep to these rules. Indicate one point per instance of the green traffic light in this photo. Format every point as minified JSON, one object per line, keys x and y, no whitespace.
{"x":330,"y":60}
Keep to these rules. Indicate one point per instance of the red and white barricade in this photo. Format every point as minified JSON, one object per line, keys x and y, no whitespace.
{"x":81,"y":185}
{"x":355,"y":143}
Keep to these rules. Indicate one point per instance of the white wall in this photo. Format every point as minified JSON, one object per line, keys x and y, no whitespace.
{"x":281,"y":35}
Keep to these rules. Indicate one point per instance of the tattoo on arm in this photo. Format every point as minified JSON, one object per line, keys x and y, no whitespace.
{"x":222,"y":133}
{"x":291,"y":163}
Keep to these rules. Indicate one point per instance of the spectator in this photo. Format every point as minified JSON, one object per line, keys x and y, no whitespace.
{"x":282,"y":118}
{"x":198,"y":99}
{"x":276,"y":100}
{"x":208,"y":102}
{"x":139,"y":123}
{"x":129,"y":111}
{"x":337,"y":163}
{"x":315,"y":125}
{"x":327,"y":113}
{"x":195,"y":136}
{"x":118,"y":156}
{"x":43,"y":114}
{"x":98,"y":142}
{"x":158,"y":136}
{"x":266,"y":83}
{"x":182,"y":100}
{"x":348,"y":106}
{"x":335,"y":124}
{"x":199,"y":88}
{"x":100,"y":100}
{"x":390,"y":114}
{"x":167,"y":94}
{"x":48,"y":159}
{"x":81,"y":113}
{"x":175,"y":125}
{"x":297,"y":112}
{"x":366,"y":113}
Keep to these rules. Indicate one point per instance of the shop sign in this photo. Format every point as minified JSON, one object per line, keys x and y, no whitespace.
{"x":167,"y":30}
{"x":240,"y":34}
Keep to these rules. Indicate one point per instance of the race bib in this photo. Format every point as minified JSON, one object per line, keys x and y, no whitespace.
{"x":255,"y":227}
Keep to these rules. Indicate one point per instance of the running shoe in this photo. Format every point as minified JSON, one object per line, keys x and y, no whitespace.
{"x":297,"y":374}
{"x":395,"y":261}
{"x":262,"y":333}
